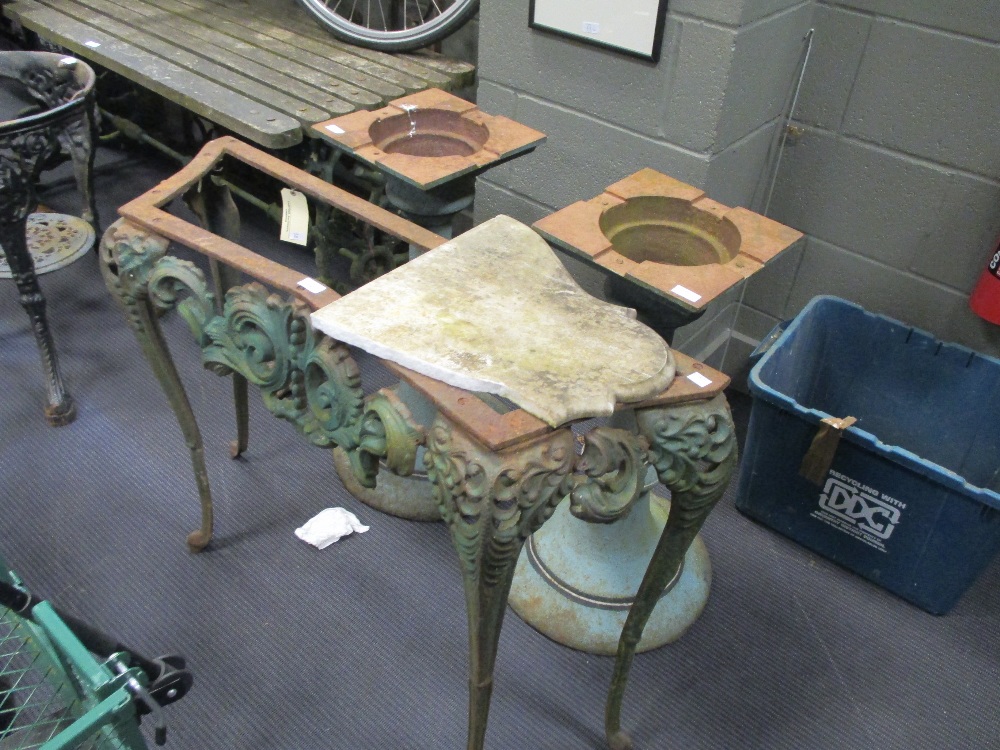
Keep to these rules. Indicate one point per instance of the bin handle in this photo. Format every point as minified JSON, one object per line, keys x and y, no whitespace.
{"x":768,"y":341}
{"x":818,"y":459}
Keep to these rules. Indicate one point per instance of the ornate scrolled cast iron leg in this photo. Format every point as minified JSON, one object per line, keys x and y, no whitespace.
{"x":492,"y":502}
{"x":23,"y":149}
{"x":78,"y":139}
{"x":129,"y":256}
{"x":694,"y":451}
{"x":225,"y":279}
{"x":60,"y":408}
{"x":213,"y":203}
{"x":305,"y":377}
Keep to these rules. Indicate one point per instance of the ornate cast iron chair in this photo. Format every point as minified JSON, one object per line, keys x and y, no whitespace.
{"x":62,"y":87}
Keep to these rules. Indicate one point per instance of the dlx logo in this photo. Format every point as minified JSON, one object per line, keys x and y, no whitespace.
{"x":863,"y":510}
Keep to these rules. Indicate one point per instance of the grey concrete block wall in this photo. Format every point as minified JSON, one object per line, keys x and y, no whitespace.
{"x":858,"y":196}
{"x":945,"y":96}
{"x":604,"y":84}
{"x":979,"y":19}
{"x":730,"y":12}
{"x":838,"y":46}
{"x":704,"y":113}
{"x":764,"y":61}
{"x":921,"y":302}
{"x":583,"y":154}
{"x":895,"y":176}
{"x":737,"y":176}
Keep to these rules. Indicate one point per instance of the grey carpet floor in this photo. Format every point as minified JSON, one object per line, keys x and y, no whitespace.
{"x":363,"y":645}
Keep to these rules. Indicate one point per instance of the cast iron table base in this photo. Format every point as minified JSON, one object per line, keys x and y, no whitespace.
{"x":496,"y":477}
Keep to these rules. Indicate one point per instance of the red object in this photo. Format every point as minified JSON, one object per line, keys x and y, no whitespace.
{"x":985,"y":299}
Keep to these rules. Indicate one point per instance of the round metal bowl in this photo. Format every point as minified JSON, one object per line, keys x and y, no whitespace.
{"x":428,"y":132}
{"x":670,"y":231}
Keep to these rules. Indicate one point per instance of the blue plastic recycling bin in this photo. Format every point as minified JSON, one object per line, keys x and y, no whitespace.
{"x":911,"y":500}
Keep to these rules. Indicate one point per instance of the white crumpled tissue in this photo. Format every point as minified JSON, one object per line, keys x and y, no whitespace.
{"x":329,"y":525}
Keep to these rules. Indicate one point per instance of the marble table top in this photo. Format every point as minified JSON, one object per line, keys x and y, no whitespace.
{"x":495,"y":310}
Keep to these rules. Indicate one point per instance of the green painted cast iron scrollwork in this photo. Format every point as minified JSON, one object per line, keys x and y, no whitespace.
{"x":614,"y":467}
{"x":491,"y":506}
{"x":693,"y":448}
{"x":389,"y":431}
{"x":128,"y":257}
{"x":305,"y":377}
{"x":492,"y":502}
{"x":136,"y":267}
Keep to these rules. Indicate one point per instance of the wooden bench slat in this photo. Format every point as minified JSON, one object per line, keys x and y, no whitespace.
{"x":238,"y":56}
{"x":439,"y":72}
{"x":269,"y":33}
{"x":172,"y":48}
{"x":453,"y":69}
{"x":250,"y":119}
{"x":250,"y":78}
{"x":362,"y":89}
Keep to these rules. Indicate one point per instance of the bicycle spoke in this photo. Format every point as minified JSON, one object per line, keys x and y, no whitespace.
{"x":399,"y":26}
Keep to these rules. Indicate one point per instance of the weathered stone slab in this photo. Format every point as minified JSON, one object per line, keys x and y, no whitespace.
{"x":494,"y":310}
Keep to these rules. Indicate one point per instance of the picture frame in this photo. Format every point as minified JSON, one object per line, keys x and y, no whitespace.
{"x":632,"y":27}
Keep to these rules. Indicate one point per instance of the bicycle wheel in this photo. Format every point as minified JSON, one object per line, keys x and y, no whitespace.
{"x":391,"y":25}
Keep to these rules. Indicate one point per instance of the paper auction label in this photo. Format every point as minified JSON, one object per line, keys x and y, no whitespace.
{"x":294,"y":217}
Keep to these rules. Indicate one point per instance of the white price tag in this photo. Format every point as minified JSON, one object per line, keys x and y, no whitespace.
{"x":68,"y":61}
{"x":591,"y":27}
{"x":699,"y":380}
{"x":92,"y":44}
{"x":294,"y":217}
{"x":311,"y":285}
{"x":335,"y":129}
{"x":683,"y":291}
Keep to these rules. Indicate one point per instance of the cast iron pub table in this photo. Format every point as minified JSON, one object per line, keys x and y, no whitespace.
{"x":497,"y":474}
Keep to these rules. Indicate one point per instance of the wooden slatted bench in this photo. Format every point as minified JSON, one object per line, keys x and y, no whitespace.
{"x":262,"y":69}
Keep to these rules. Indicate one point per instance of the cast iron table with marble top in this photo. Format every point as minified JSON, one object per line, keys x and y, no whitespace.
{"x":497,"y":476}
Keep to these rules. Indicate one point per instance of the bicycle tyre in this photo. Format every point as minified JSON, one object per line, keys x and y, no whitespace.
{"x":402,"y":40}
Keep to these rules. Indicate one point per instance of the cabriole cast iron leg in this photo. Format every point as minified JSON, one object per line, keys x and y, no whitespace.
{"x":128,"y":256}
{"x":214,"y":205}
{"x":492,"y":502}
{"x":59,"y":408}
{"x":78,"y":140}
{"x":693,"y":447}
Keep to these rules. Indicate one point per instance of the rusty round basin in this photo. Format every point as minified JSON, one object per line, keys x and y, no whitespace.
{"x":428,"y":132}
{"x":670,"y":231}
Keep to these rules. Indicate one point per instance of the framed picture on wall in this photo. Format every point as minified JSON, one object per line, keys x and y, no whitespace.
{"x":634,"y":27}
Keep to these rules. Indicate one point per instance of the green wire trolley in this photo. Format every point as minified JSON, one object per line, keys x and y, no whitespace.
{"x":64,"y":685}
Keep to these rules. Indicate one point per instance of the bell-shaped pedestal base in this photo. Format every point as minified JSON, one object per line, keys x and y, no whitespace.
{"x":406,"y":497}
{"x":575,"y":581}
